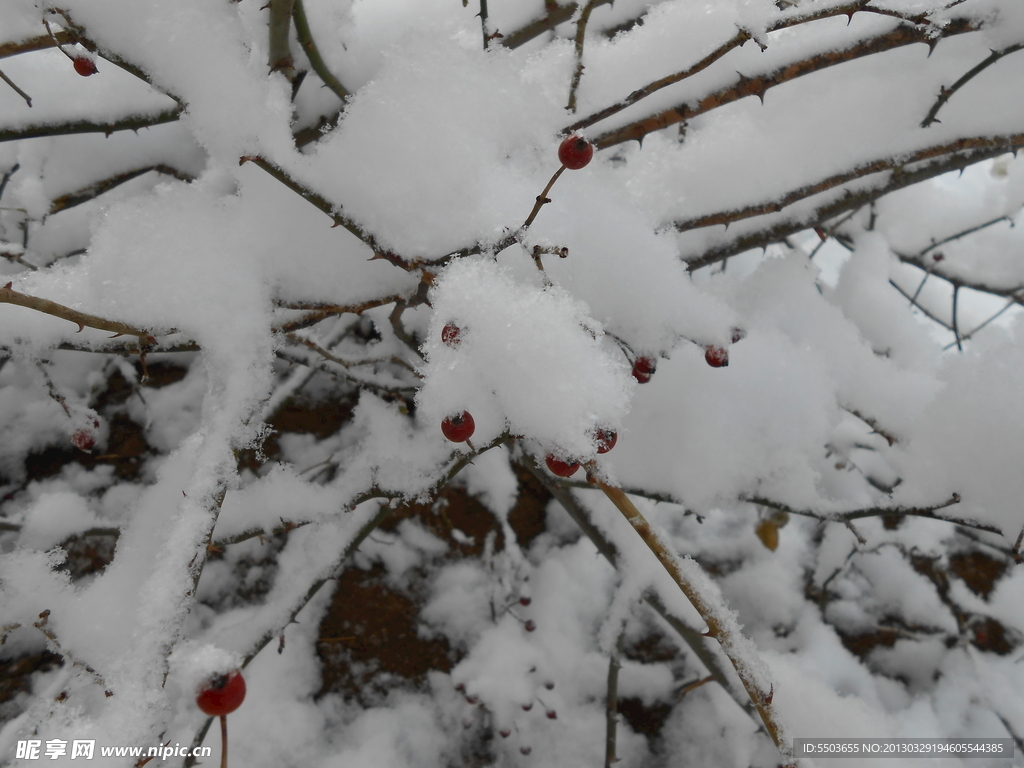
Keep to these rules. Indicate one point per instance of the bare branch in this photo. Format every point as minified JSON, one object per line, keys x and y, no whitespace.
{"x":897,"y":164}
{"x":963,"y":153}
{"x":758,"y":85}
{"x":556,"y":14}
{"x":946,"y":93}
{"x":930,"y":513}
{"x":71,"y":199}
{"x":131,"y":123}
{"x":81,"y":319}
{"x":25,"y":96}
{"x":581,"y":32}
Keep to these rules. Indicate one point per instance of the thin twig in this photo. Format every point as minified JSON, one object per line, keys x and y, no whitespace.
{"x":330,"y":209}
{"x":895,"y":164}
{"x":556,"y":14}
{"x":25,"y":96}
{"x":946,"y":93}
{"x":71,"y":199}
{"x":305,"y":36}
{"x":131,"y":123}
{"x":81,"y":319}
{"x":51,"y":389}
{"x":929,"y":513}
{"x":612,"y":703}
{"x":721,"y":626}
{"x":7,"y":177}
{"x":970,"y":334}
{"x":758,"y":85}
{"x":966,"y":153}
{"x":693,"y":639}
{"x":956,"y":324}
{"x":542,"y":200}
{"x":581,"y":32}
{"x":931,"y":316}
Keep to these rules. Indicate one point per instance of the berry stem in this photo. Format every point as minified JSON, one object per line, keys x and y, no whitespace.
{"x":223,"y":741}
{"x":542,"y":198}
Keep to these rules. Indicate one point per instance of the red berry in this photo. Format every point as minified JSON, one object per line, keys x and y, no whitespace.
{"x":525,"y":600}
{"x":459,"y":428}
{"x":525,"y":750}
{"x":643,"y":369}
{"x":529,"y":626}
{"x":222,"y":695}
{"x":716,"y":357}
{"x":527,"y":707}
{"x":472,"y":699}
{"x":606,"y":439}
{"x":83,"y":439}
{"x":552,"y":715}
{"x":549,"y":685}
{"x":505,"y":733}
{"x":561,"y":468}
{"x":84,"y":66}
{"x":575,"y":152}
{"x":450,"y":335}
{"x":738,"y":334}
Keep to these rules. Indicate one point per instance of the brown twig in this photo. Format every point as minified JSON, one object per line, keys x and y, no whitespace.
{"x":693,"y":639}
{"x":556,"y":14}
{"x":946,"y":93}
{"x":581,"y":32}
{"x":25,"y":96}
{"x":81,"y":319}
{"x":960,"y":154}
{"x":895,"y":164}
{"x":131,"y":123}
{"x":758,"y":85}
{"x":720,"y":626}
{"x":929,"y":513}
{"x":71,"y":199}
{"x":331,"y":210}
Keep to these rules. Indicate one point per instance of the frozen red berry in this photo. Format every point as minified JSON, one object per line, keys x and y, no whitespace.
{"x":527,"y":707}
{"x":606,"y":439}
{"x":83,"y":439}
{"x":575,"y":152}
{"x":716,"y":357}
{"x":525,"y":750}
{"x":643,"y":369}
{"x":84,"y":66}
{"x":222,"y":695}
{"x":561,"y":468}
{"x":738,"y":334}
{"x":525,"y":600}
{"x":450,"y":335}
{"x":505,"y":733}
{"x":459,"y":428}
{"x":529,"y":626}
{"x":552,"y":715}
